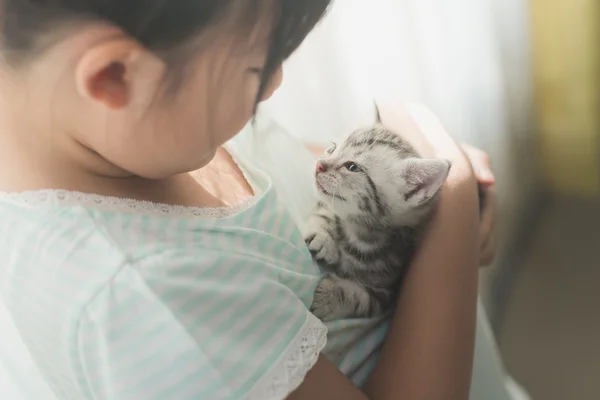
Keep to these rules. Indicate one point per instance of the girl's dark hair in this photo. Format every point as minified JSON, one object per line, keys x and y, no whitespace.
{"x":161,"y":26}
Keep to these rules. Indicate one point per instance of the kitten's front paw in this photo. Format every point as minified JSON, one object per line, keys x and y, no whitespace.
{"x":325,"y":301}
{"x":323,"y":248}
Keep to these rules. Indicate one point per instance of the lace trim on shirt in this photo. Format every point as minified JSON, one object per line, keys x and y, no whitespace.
{"x":71,"y":198}
{"x":301,"y":357}
{"x":68,"y":198}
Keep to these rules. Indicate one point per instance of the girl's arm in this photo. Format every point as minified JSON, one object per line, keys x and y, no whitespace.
{"x":429,"y":350}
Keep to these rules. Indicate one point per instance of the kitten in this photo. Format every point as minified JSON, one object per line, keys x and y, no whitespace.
{"x":376,"y":197}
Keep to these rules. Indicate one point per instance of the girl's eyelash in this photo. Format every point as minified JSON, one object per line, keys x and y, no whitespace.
{"x":258,"y":71}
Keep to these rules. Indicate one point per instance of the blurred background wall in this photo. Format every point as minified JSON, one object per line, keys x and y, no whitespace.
{"x":520,"y":79}
{"x":566,"y":55}
{"x":550,"y":324}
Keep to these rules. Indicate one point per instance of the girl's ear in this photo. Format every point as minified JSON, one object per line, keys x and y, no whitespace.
{"x":424,"y":178}
{"x":110,"y":72}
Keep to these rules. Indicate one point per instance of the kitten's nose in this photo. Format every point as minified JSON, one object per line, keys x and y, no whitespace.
{"x":321,"y":167}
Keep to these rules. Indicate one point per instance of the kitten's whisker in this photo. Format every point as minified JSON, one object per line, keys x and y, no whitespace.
{"x":368,"y":147}
{"x":333,"y":198}
{"x":338,"y":189}
{"x":371,"y":146}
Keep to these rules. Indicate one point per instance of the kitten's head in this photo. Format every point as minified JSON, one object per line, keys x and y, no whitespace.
{"x":375,"y":172}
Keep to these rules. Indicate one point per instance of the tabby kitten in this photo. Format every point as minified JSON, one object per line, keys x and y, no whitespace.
{"x":376,"y":196}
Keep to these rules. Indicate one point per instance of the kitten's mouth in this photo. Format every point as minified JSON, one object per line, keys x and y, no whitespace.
{"x":328,"y":193}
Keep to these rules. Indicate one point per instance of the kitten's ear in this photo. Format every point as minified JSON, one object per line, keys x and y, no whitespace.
{"x":424,"y":177}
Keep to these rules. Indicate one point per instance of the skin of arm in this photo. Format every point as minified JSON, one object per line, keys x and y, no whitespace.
{"x":429,"y":350}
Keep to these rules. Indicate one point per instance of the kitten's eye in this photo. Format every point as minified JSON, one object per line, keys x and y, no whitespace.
{"x":352,"y":167}
{"x":332,"y":148}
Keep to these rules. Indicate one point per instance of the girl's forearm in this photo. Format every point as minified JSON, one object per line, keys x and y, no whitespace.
{"x":429,"y":350}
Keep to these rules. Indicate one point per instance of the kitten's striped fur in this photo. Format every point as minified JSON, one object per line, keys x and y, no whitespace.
{"x":376,"y":196}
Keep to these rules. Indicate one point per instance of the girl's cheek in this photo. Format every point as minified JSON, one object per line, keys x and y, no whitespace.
{"x":273,"y":85}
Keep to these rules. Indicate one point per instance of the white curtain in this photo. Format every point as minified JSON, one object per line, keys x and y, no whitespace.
{"x":467,"y":60}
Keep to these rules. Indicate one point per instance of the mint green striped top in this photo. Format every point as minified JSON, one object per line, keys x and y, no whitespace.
{"x":118,"y":299}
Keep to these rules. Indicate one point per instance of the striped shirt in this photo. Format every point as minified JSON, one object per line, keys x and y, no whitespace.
{"x":120,"y":299}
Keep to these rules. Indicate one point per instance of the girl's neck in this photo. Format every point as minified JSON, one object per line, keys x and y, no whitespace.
{"x":30,"y":165}
{"x":28,"y":175}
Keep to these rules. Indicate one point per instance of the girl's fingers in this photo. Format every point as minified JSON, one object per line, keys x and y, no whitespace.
{"x":487,"y":231}
{"x":480,"y":162}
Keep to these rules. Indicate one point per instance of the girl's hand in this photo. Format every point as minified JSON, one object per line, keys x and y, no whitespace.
{"x":481,"y":164}
{"x":469,"y":165}
{"x":482,"y":168}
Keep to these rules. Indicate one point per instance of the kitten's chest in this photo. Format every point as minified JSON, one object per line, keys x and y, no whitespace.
{"x":391,"y":244}
{"x":361,"y":237}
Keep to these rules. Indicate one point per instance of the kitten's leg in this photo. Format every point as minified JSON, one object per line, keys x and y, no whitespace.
{"x":337,"y":298}
{"x":320,"y":241}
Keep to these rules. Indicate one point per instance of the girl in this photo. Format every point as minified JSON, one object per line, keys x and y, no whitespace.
{"x":146,"y":256}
